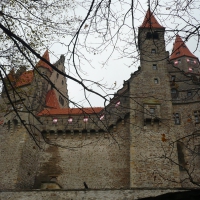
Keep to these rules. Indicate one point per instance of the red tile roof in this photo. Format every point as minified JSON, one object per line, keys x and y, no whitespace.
{"x":25,"y":79}
{"x":51,"y":100}
{"x":41,"y":63}
{"x":180,"y":49}
{"x":70,"y":111}
{"x":150,"y":21}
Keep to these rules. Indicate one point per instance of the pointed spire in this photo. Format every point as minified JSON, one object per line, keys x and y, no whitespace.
{"x":180,"y":49}
{"x":41,"y":63}
{"x":150,"y":21}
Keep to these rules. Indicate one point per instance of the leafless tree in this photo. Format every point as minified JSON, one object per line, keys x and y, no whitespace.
{"x":114,"y":26}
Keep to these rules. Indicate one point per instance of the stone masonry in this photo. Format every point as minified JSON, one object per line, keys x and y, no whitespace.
{"x":145,"y":142}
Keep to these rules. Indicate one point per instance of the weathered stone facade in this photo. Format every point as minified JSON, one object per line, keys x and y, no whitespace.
{"x":147,"y":138}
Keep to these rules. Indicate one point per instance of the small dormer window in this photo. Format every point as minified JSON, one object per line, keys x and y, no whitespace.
{"x":70,"y":119}
{"x":176,"y":62}
{"x":177,"y":53}
{"x":117,"y":104}
{"x":55,"y":121}
{"x":190,"y":69}
{"x":85,"y":119}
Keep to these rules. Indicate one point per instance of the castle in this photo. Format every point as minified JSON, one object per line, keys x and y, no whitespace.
{"x":145,"y":142}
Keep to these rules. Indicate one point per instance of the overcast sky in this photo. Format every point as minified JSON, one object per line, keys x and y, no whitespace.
{"x":116,"y":70}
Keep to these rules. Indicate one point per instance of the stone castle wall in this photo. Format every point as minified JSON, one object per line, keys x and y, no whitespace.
{"x":18,"y":159}
{"x":101,"y":159}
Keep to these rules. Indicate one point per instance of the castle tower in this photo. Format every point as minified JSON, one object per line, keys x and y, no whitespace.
{"x":59,"y":81}
{"x":151,"y":41}
{"x":182,"y":58}
{"x":184,"y":81}
{"x":41,"y":82}
{"x":151,"y":111}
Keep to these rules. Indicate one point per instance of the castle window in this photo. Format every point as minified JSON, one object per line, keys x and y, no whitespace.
{"x":57,"y":75}
{"x":155,"y":80}
{"x":174,"y":93}
{"x":151,"y":114}
{"x":197,"y":116}
{"x":177,"y":120}
{"x":61,"y":100}
{"x":181,"y":157}
{"x":152,"y":111}
{"x":155,"y":35}
{"x":154,"y":67}
{"x":189,"y":94}
{"x":173,"y":77}
{"x":62,"y":82}
{"x":191,"y":61}
{"x":148,"y":35}
{"x":153,"y":51}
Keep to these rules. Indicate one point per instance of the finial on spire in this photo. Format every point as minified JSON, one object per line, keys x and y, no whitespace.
{"x":148,"y":2}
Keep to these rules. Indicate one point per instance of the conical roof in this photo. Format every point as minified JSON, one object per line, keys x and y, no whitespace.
{"x":180,"y":49}
{"x":150,"y":21}
{"x":41,"y":63}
